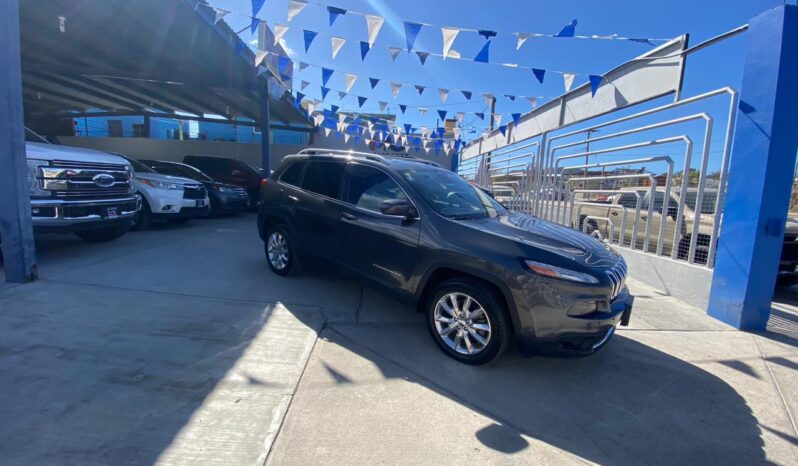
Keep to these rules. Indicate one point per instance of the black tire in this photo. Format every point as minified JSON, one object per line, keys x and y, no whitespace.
{"x":497,"y":321}
{"x":286,"y":265}
{"x":143,"y":217}
{"x":701,"y":249}
{"x":102,"y":235}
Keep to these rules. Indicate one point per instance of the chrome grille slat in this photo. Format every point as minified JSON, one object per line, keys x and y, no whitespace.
{"x":76,"y":180}
{"x":617,"y":277}
{"x":89,"y":165}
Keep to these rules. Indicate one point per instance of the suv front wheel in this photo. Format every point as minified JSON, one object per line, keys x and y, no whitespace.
{"x":467,"y":321}
{"x":281,"y":252}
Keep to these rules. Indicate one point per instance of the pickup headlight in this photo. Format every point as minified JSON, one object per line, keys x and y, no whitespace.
{"x":33,"y":177}
{"x":558,"y":272}
{"x":161,"y":184}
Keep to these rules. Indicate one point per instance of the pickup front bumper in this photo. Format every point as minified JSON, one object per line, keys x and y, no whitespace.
{"x":67,"y":216}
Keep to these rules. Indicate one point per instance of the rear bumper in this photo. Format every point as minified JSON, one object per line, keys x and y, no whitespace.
{"x":60,"y":216}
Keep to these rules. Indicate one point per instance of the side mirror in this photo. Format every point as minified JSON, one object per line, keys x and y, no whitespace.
{"x":398,"y":207}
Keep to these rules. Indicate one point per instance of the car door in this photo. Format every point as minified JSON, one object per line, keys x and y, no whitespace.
{"x":654,"y":221}
{"x":314,"y":208}
{"x":383,"y":248}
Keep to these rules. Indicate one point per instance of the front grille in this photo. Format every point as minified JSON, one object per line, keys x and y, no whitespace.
{"x":193,"y":192}
{"x":76,"y":180}
{"x":617,"y":276}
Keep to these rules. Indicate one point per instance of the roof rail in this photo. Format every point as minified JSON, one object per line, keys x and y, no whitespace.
{"x":366,"y":155}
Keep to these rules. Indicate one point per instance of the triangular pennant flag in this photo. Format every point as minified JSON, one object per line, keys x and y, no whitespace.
{"x":449,"y":35}
{"x":480,"y":115}
{"x":516,"y":118}
{"x":540,"y":74}
{"x":533,"y":101}
{"x":327,"y":132}
{"x":497,"y":118}
{"x":374,"y":82}
{"x":326,"y":73}
{"x":334,"y":109}
{"x":364,"y":50}
{"x":324,"y":91}
{"x":346,"y":138}
{"x":568,"y":80}
{"x":373,"y":24}
{"x":394,"y":52}
{"x":488,"y":99}
{"x":309,"y":36}
{"x":422,"y":110}
{"x":295,"y":7}
{"x":522,"y":37}
{"x":361,"y":101}
{"x":283,"y":65}
{"x":279,"y":32}
{"x":460,"y":116}
{"x":568,"y":31}
{"x":342,"y":95}
{"x":298,"y":99}
{"x":411,"y":32}
{"x":336,"y":43}
{"x":350,"y":81}
{"x":484,"y":55}
{"x":456,"y":132}
{"x":311,"y":107}
{"x":341,"y":117}
{"x":442,"y":114}
{"x":253,"y":26}
{"x":503,"y":129}
{"x":260,"y":55}
{"x":444,"y":94}
{"x":595,"y":82}
{"x":256,"y":6}
{"x":383,"y":105}
{"x":419,"y":89}
{"x":408,"y":128}
{"x":219,"y":14}
{"x":466,"y":94}
{"x":303,"y":85}
{"x":402,"y":108}
{"x":318,"y":119}
{"x":335,"y":12}
{"x":422,"y":56}
{"x":486,"y":34}
{"x":302,"y":65}
{"x":453,"y":54}
{"x":511,"y":97}
{"x":395,"y":88}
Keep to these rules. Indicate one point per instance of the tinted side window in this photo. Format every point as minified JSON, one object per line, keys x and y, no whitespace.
{"x":629,"y":201}
{"x":323,"y":178}
{"x":291,"y":174}
{"x":369,"y":187}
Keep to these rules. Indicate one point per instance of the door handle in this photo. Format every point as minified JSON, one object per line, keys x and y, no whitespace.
{"x":293,"y":199}
{"x":644,"y":217}
{"x":614,"y":213}
{"x":348,"y":216}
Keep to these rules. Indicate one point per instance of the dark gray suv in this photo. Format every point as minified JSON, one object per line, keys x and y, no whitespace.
{"x":481,"y":274}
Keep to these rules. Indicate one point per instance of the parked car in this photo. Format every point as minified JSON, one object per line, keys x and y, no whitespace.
{"x":165,"y":197}
{"x":81,"y":191}
{"x":230,"y":171}
{"x":480,"y":274}
{"x":224,"y":198}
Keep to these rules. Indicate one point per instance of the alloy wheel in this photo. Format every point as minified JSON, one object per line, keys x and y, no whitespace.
{"x":462,"y":323}
{"x":277,"y":248}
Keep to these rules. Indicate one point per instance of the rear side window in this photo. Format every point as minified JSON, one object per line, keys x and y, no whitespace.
{"x":369,"y":187}
{"x":323,"y":178}
{"x":291,"y":174}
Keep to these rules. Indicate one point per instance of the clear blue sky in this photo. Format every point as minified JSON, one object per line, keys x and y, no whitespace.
{"x":702,"y":19}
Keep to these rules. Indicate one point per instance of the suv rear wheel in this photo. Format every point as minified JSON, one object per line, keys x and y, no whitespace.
{"x":467,"y":321}
{"x":281,"y":251}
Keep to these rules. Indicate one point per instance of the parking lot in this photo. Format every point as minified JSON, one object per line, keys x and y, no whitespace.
{"x":178,"y":345}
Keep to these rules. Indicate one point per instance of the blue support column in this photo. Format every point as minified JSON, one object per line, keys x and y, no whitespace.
{"x":264,"y":132}
{"x":761,"y":173}
{"x":16,"y":232}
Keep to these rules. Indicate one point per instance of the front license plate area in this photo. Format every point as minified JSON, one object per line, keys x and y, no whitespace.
{"x":111,"y":212}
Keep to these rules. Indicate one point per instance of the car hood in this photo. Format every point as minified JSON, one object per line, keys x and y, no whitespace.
{"x":551,"y":237}
{"x":166,"y":178}
{"x":50,"y":152}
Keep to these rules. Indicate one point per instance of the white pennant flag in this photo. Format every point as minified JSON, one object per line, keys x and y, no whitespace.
{"x":311,"y":107}
{"x":295,"y":7}
{"x":457,"y":133}
{"x":394,"y":52}
{"x":387,"y":144}
{"x":444,"y":93}
{"x":449,"y":35}
{"x":453,"y":54}
{"x":337,"y":43}
{"x":498,"y":119}
{"x":422,"y":110}
{"x":303,"y":85}
{"x":426,"y":149}
{"x":488,"y":99}
{"x":350,"y":81}
{"x":302,"y":65}
{"x":341,"y":95}
{"x":460,"y":116}
{"x":260,"y":55}
{"x":568,"y":80}
{"x":533,"y":101}
{"x":341,"y":117}
{"x":374,"y":24}
{"x":390,"y":125}
{"x":346,"y":137}
{"x":220,"y":13}
{"x":395,"y":87}
{"x":327,"y":132}
{"x":279,"y":32}
{"x":383,"y":104}
{"x":319,"y":119}
{"x":522,"y":37}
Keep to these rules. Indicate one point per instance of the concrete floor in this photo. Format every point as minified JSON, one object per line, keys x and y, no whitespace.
{"x":178,"y":346}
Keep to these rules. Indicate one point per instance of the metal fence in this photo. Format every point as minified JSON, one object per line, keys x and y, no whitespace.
{"x":649,"y":181}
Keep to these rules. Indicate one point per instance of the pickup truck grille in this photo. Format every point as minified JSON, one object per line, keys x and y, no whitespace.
{"x":617,"y":276}
{"x":76,"y":180}
{"x":193,"y":192}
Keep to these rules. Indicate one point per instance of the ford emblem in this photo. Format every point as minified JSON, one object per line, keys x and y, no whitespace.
{"x":103,"y":180}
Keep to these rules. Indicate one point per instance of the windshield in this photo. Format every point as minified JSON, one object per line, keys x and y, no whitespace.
{"x":138,"y":167}
{"x":450,"y":195}
{"x":191,"y":172}
{"x":30,"y":136}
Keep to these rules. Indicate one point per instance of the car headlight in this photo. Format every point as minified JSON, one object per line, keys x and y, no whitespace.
{"x":558,"y":272}
{"x":33,"y":177}
{"x":161,"y":184}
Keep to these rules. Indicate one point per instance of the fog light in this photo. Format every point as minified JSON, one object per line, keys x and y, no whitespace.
{"x":167,"y":207}
{"x":581,"y":308}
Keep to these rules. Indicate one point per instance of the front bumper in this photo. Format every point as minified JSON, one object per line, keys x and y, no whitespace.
{"x":67,"y":216}
{"x":232,"y":202}
{"x":171,"y":204}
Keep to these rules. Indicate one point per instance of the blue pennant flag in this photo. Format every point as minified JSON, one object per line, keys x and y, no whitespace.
{"x":338,"y":135}
{"x":324,"y":91}
{"x":595,"y":81}
{"x":361,"y":101}
{"x":511,"y":97}
{"x":364,"y":50}
{"x":420,"y":89}
{"x":516,"y":118}
{"x":333,"y":109}
{"x":503,"y":129}
{"x":253,"y":26}
{"x":357,"y":139}
{"x":334,"y":13}
{"x":298,"y":99}
{"x":641,"y":40}
{"x":457,"y":145}
{"x":540,"y":74}
{"x":309,"y":36}
{"x":402,"y":108}
{"x":422,"y":56}
{"x":411,"y":32}
{"x":283,"y":64}
{"x":256,"y":6}
{"x":480,"y":115}
{"x":467,"y":94}
{"x":325,"y":75}
{"x":441,"y":132}
{"x":568,"y":31}
{"x":487,"y":34}
{"x":374,"y":82}
{"x":442,"y":114}
{"x":408,"y":128}
{"x":438,"y":147}
{"x":483,"y":54}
